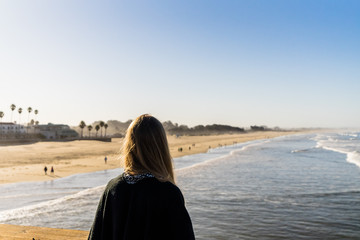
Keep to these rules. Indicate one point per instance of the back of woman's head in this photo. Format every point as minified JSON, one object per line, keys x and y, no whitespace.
{"x":146,"y":149}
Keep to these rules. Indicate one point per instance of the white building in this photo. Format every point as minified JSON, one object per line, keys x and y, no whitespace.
{"x":11,"y":128}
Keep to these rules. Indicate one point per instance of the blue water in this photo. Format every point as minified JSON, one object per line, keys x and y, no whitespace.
{"x":294,"y":187}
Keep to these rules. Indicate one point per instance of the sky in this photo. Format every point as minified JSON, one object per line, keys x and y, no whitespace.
{"x":281,"y":63}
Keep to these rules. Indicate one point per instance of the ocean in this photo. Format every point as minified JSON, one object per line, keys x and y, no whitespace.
{"x":304,"y":186}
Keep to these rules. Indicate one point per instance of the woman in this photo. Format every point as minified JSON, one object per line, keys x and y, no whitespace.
{"x":143,"y":202}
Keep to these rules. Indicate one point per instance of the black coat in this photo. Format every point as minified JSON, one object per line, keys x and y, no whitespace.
{"x":148,"y":209}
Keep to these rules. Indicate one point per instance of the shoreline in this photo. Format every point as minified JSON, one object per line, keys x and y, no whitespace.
{"x":25,"y":163}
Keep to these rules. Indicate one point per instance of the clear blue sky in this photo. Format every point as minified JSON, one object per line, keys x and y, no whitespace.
{"x":275,"y":63}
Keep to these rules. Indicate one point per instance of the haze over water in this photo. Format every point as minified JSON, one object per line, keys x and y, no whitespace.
{"x":293,"y":187}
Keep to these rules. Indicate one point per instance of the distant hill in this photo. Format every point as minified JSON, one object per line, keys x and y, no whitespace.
{"x":116,"y":127}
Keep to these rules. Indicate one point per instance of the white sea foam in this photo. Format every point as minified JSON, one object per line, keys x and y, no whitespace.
{"x":354,"y":157}
{"x":225,"y":156}
{"x":300,"y":150}
{"x":345,"y":143}
{"x":351,"y":157}
{"x":354,"y":135}
{"x":48,"y":206}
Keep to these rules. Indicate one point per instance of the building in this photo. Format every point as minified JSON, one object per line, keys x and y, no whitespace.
{"x":54,"y":131}
{"x":9,"y":128}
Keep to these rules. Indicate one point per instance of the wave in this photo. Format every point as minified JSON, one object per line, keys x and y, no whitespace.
{"x":244,"y":147}
{"x":302,"y":150}
{"x":326,"y":194}
{"x":352,"y":135}
{"x":48,"y":206}
{"x":351,"y":156}
{"x":354,"y":157}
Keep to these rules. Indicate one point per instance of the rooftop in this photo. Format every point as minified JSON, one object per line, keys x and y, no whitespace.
{"x":7,"y":123}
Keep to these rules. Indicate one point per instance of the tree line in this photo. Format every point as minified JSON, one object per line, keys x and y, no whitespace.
{"x":97,"y":127}
{"x":116,"y":128}
{"x":20,"y":110}
{"x":175,"y":129}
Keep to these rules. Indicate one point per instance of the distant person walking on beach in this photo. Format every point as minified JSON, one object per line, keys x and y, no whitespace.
{"x":143,"y":202}
{"x":105,"y":159}
{"x":45,"y":170}
{"x":52,"y":170}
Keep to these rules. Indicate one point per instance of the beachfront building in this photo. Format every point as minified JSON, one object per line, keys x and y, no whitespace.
{"x":54,"y":131}
{"x":9,"y":128}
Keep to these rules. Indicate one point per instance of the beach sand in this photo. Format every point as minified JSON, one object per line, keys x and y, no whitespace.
{"x":26,"y":163}
{"x":15,"y":232}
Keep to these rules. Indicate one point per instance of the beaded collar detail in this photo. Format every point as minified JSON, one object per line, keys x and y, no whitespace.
{"x":132,"y":179}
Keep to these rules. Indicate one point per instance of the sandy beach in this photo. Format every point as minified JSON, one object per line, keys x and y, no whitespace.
{"x":26,"y":163}
{"x":38,"y":233}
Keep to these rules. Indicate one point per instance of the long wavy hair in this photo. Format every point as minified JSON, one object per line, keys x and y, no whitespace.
{"x":145,"y":149}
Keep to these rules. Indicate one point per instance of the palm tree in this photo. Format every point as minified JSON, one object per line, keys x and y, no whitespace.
{"x":101,"y":125}
{"x":19,"y":111}
{"x":36,"y":112}
{"x":97,"y":127}
{"x":89,"y":128}
{"x":106,"y":126}
{"x":12,"y":107}
{"x":82,"y":125}
{"x":1,"y":115}
{"x":27,"y":128}
{"x":29,"y":110}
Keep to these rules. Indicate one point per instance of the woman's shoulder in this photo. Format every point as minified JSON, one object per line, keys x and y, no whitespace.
{"x":171,"y":192}
{"x":115,"y":183}
{"x":172,"y":188}
{"x":167,"y":189}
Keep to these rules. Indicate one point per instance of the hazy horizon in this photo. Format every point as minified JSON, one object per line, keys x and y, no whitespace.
{"x":290,"y":64}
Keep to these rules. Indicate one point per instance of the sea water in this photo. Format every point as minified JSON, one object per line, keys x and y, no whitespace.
{"x":292,"y":187}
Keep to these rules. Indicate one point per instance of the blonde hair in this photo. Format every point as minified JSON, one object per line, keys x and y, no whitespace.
{"x":146,"y":149}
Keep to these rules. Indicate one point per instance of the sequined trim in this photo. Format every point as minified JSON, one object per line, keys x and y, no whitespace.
{"x":132,"y":179}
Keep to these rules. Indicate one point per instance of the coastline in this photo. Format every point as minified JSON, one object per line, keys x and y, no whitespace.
{"x":24,"y":163}
{"x":75,"y":165}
